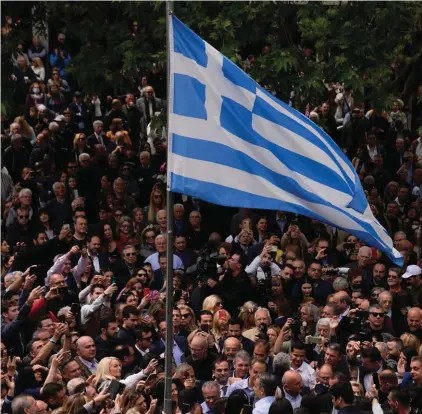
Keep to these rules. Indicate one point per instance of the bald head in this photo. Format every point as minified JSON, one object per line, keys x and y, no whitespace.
{"x":292,"y":382}
{"x":231,"y":347}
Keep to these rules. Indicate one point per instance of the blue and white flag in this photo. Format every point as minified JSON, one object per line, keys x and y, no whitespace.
{"x":232,"y":143}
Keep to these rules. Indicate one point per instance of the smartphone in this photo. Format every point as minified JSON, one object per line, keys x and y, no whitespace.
{"x":349,"y":245}
{"x":313,"y":340}
{"x":146,"y":291}
{"x":177,"y":295}
{"x":362,"y":314}
{"x":75,"y":309}
{"x":376,"y":380}
{"x":115,"y":387}
{"x":61,"y":290}
{"x":65,"y":225}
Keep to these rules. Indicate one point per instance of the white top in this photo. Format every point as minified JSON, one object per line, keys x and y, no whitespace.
{"x":307,"y":373}
{"x":295,"y":401}
{"x":241,"y":385}
{"x":153,"y":261}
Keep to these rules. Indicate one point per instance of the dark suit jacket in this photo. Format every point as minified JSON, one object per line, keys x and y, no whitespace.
{"x":158,"y":347}
{"x":92,"y":141}
{"x":85,"y":371}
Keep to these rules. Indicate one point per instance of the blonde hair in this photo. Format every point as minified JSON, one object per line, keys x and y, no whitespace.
{"x":210,"y":303}
{"x":76,"y":139}
{"x":410,"y":341}
{"x":38,"y":61}
{"x":103,"y":370}
{"x":359,"y":385}
{"x":25,"y":128}
{"x":216,"y":329}
{"x":151,"y":209}
{"x":74,"y":403}
{"x":191,"y":327}
{"x":246,"y":314}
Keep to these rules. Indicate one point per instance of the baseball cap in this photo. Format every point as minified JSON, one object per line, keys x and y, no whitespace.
{"x":411,"y":270}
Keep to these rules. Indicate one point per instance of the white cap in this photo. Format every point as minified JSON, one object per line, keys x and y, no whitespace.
{"x":411,"y":270}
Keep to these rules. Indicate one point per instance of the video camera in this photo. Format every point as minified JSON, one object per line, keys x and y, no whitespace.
{"x":207,"y":264}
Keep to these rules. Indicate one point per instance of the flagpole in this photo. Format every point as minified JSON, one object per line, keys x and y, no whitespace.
{"x":169,"y":274}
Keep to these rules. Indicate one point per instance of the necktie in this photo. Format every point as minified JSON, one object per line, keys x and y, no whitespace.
{"x":224,"y":389}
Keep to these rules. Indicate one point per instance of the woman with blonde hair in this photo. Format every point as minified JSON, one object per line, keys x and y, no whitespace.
{"x":157,"y":202}
{"x":357,"y":389}
{"x":273,"y":331}
{"x":212,"y":303}
{"x":110,"y":368}
{"x":139,"y":222}
{"x":74,"y":403}
{"x":38,"y":68}
{"x":220,"y":324}
{"x":410,"y":341}
{"x":246,"y":314}
{"x":26,"y":130}
{"x":188,"y":318}
{"x":80,"y":145}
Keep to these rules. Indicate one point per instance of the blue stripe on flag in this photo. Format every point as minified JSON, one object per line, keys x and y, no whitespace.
{"x":219,"y":194}
{"x":188,"y":43}
{"x":237,"y":76}
{"x":210,"y":151}
{"x":325,"y":137}
{"x":189,"y":97}
{"x":238,"y":120}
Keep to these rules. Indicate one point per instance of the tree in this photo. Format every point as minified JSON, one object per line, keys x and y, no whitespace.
{"x":376,"y":47}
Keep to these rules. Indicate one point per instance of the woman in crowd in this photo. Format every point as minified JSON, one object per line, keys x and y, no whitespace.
{"x":54,"y":100}
{"x":187,"y":318}
{"x":125,"y":232}
{"x":44,"y":224}
{"x":139,"y":222}
{"x":80,"y":146}
{"x":212,"y":303}
{"x":110,"y":240}
{"x":35,"y":95}
{"x":157,"y":202}
{"x":58,"y":81}
{"x":38,"y":68}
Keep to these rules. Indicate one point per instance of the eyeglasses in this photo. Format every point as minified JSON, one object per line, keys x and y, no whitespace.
{"x":377,"y":315}
{"x":392,"y":277}
{"x":23,"y":217}
{"x":118,"y":214}
{"x":82,"y":139}
{"x":185,"y":315}
{"x":130,"y":254}
{"x":150,"y":237}
{"x":141,"y":274}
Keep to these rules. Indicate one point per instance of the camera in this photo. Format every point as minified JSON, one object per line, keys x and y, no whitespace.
{"x":262,"y":328}
{"x":207,"y":265}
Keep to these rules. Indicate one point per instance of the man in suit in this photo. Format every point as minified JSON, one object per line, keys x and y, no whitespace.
{"x":126,"y":334}
{"x":86,"y":350}
{"x":292,"y":388}
{"x":125,"y":267}
{"x":180,"y":345}
{"x":99,"y":260}
{"x":99,"y":138}
{"x":148,"y":105}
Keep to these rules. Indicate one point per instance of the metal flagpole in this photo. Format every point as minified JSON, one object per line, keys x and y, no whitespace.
{"x":170,"y":224}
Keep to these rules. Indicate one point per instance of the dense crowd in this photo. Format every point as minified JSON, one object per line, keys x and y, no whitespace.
{"x":272,"y":312}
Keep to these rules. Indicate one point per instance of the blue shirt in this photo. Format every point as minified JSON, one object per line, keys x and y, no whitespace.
{"x":262,"y":406}
{"x":241,"y":385}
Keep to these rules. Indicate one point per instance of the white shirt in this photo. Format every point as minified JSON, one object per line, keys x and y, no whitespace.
{"x":372,"y":152}
{"x":345,"y":313}
{"x":143,"y":353}
{"x":177,"y":352}
{"x":368,"y":381}
{"x":95,"y":262}
{"x":308,"y":375}
{"x":153,"y":261}
{"x":262,"y":406}
{"x":295,"y":401}
{"x":223,"y":389}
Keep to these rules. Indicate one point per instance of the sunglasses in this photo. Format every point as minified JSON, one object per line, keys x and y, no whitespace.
{"x":141,"y":274}
{"x":22,"y":217}
{"x":130,"y":254}
{"x":377,"y":315}
{"x":185,"y":315}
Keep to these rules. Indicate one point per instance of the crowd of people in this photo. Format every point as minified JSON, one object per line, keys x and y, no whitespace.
{"x":272,"y":312}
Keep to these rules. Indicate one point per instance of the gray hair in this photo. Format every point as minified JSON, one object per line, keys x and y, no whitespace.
{"x":260,"y":309}
{"x":21,"y":403}
{"x":160,"y":236}
{"x":340,"y":283}
{"x":97,"y":122}
{"x":53,"y":126}
{"x":243,"y":356}
{"x":323,"y":322}
{"x":161,"y":211}
{"x":15,"y":137}
{"x":312,"y":310}
{"x":211,"y":384}
{"x":63,"y":311}
{"x":383,"y":345}
{"x":281,"y":363}
{"x":25,"y":191}
{"x":56,"y":184}
{"x":84,"y":156}
{"x":184,"y":366}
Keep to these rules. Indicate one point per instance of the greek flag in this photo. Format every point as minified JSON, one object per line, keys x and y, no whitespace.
{"x":234,"y":144}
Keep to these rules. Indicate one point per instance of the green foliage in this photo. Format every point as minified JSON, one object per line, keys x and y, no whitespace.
{"x":376,"y":47}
